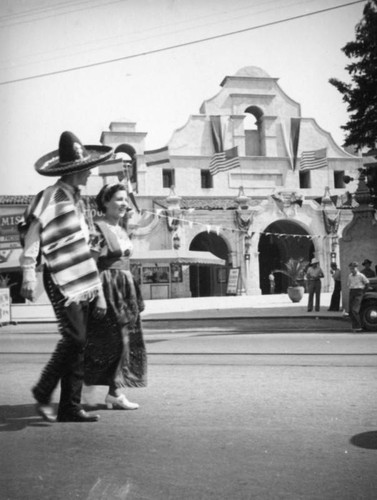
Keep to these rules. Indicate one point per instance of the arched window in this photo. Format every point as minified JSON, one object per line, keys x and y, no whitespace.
{"x":127,"y":152}
{"x":252,"y":127}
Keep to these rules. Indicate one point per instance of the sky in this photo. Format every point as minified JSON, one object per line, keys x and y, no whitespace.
{"x":125,"y":73}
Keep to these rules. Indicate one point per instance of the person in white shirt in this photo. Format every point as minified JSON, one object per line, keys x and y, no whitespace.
{"x":356,"y":284}
{"x":314,"y":275}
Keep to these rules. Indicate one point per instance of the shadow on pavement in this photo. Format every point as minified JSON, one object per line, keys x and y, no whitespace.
{"x":18,"y":417}
{"x":366,"y":440}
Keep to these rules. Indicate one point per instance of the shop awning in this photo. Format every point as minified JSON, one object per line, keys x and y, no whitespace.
{"x":185,"y":257}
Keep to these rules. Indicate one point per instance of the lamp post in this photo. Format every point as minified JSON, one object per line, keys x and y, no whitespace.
{"x":243,"y":219}
{"x":247,"y":244}
{"x":176,"y":241}
{"x":331,"y":217}
{"x":173,"y":211}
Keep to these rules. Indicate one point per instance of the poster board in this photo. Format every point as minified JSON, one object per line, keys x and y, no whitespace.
{"x":159,"y":292}
{"x":233,"y":281}
{"x":4,"y":306}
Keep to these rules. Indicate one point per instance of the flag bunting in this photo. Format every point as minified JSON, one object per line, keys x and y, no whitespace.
{"x":163,"y":214}
{"x":157,"y":156}
{"x":221,"y":160}
{"x":295,"y":137}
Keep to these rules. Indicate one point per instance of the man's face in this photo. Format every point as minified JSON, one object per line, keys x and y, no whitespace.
{"x":353,"y":269}
{"x":82,"y":177}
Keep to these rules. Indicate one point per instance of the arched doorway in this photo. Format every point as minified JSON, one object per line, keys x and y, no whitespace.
{"x":277,"y":248}
{"x":206,"y":281}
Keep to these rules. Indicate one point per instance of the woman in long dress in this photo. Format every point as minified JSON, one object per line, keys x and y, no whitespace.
{"x":115,"y":353}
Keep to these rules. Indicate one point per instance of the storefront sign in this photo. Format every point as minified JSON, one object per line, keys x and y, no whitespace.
{"x":233,"y":279}
{"x":156,"y":274}
{"x":9,"y":236}
{"x":4,"y":305}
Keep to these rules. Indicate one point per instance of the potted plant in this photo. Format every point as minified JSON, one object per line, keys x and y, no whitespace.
{"x":295,"y":270}
{"x":4,"y":281}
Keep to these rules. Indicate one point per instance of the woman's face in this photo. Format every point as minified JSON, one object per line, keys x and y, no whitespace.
{"x":117,"y":206}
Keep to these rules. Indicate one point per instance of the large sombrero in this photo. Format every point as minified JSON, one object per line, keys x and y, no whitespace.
{"x":71,"y":157}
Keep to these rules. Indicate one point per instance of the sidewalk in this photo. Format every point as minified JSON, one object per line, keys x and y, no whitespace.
{"x":254,"y":306}
{"x":191,"y":309}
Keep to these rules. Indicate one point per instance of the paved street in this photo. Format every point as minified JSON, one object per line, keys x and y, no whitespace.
{"x":225,"y":416}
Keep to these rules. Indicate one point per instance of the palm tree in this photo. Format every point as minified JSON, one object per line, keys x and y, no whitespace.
{"x":295,"y":270}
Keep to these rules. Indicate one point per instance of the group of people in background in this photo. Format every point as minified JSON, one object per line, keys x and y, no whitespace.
{"x":86,"y":275}
{"x":357,"y":283}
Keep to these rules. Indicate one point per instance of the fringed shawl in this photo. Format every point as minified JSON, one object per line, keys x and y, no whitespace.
{"x":64,"y":245}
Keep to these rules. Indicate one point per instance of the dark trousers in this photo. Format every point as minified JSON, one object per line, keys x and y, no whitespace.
{"x":67,"y":361}
{"x":314,"y":290}
{"x":335,"y":297}
{"x":354,"y":303}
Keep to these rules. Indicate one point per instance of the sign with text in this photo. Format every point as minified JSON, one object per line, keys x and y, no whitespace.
{"x":233,"y":280}
{"x":9,"y":237}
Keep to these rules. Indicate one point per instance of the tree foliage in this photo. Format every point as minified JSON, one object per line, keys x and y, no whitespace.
{"x":295,"y":270}
{"x":361,"y":94}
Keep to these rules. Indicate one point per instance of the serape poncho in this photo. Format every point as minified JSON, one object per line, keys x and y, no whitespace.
{"x":64,"y":245}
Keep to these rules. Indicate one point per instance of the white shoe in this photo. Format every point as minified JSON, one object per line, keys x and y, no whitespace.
{"x":120,"y":402}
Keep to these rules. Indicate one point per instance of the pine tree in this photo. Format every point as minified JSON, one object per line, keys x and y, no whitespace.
{"x":361,"y":94}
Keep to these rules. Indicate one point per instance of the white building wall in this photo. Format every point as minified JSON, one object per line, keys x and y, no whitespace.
{"x":191,"y":150}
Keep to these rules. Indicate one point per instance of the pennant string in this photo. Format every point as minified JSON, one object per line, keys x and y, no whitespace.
{"x":165,"y":215}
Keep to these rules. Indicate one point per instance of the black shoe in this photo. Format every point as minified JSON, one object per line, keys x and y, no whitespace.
{"x":46,"y":412}
{"x":78,"y":416}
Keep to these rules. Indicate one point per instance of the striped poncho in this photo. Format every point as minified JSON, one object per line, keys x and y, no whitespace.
{"x":64,"y":245}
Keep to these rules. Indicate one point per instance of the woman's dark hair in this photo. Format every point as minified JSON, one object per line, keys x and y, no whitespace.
{"x":106,"y":193}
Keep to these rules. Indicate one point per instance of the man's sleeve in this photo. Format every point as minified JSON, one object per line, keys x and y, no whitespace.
{"x":29,"y":255}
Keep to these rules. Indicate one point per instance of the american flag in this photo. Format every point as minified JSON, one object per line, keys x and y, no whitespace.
{"x":225,"y":160}
{"x":311,"y":160}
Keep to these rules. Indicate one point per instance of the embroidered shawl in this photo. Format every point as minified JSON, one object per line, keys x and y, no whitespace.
{"x":64,"y":245}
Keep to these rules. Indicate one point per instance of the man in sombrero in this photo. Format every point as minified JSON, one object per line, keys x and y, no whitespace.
{"x":55,"y":230}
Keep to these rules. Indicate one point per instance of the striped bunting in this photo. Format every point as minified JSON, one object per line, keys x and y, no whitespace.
{"x":311,"y":160}
{"x":156,"y":156}
{"x":111,"y":167}
{"x":225,"y":160}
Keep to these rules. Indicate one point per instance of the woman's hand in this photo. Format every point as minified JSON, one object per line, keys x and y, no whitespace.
{"x":100,"y":308}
